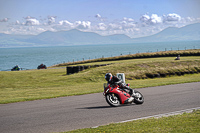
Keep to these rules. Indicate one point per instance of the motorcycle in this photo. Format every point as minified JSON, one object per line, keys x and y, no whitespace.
{"x":115,"y":96}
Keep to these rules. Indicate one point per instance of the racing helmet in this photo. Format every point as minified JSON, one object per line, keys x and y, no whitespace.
{"x":108,"y":77}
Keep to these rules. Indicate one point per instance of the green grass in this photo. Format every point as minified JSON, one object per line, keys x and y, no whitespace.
{"x":185,"y":123}
{"x":191,"y":52}
{"x":16,"y":86}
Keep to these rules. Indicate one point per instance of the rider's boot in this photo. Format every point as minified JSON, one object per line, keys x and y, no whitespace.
{"x":130,"y":90}
{"x":130,"y":99}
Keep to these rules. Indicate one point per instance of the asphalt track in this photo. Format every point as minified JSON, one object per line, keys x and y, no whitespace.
{"x":75,"y":112}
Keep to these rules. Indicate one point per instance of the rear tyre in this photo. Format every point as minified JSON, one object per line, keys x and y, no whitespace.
{"x":112,"y":100}
{"x":138,"y":97}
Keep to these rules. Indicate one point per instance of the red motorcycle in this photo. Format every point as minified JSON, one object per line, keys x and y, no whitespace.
{"x":116,"y":96}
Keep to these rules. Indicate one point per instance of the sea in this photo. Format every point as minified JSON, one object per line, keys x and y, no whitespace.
{"x":31,"y":57}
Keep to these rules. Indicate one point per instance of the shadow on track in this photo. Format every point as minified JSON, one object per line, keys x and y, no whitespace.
{"x":104,"y":107}
{"x":98,"y":107}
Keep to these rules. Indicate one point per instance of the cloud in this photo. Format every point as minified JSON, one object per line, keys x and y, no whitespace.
{"x":25,"y":30}
{"x":51,"y":19}
{"x":32,"y":21}
{"x":114,"y":26}
{"x":28,"y":17}
{"x":128,"y":19}
{"x":82,"y":24}
{"x":172,"y":17}
{"x":153,"y":19}
{"x":4,"y":20}
{"x":148,"y":24}
{"x":17,"y":22}
{"x":145,"y":18}
{"x":101,"y":26}
{"x":128,"y":24}
{"x":98,"y":16}
{"x":29,"y":21}
{"x":65,"y":23}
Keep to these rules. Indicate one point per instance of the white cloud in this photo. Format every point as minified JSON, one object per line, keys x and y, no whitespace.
{"x":172,"y":17}
{"x":148,"y":24}
{"x":66,"y":23}
{"x":101,"y":26}
{"x":4,"y":20}
{"x":28,"y":17}
{"x":51,"y":19}
{"x":98,"y":16}
{"x":76,"y":24}
{"x":114,"y":26}
{"x":17,"y":22}
{"x":82,"y":24}
{"x":127,"y":25}
{"x":21,"y":29}
{"x":154,"y":19}
{"x":128,"y":19}
{"x":190,"y":19}
{"x":32,"y":21}
{"x":145,"y":18}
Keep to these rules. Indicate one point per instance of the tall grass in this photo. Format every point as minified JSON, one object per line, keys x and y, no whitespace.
{"x":192,"y":52}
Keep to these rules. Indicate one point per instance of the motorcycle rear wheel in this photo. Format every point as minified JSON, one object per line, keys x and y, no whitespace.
{"x":112,"y":100}
{"x":138,"y":99}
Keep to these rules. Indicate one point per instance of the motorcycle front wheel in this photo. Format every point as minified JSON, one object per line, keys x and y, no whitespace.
{"x":138,"y":97}
{"x":112,"y":100}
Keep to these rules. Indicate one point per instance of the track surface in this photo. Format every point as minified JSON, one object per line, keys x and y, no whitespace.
{"x":69,"y":113}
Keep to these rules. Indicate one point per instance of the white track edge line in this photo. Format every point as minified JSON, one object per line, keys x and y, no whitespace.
{"x":163,"y":115}
{"x":160,"y":115}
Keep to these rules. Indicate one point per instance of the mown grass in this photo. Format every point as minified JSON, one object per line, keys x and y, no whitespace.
{"x":184,"y":123}
{"x":16,"y":86}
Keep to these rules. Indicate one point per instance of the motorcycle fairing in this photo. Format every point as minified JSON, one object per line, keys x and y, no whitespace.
{"x":123,"y":96}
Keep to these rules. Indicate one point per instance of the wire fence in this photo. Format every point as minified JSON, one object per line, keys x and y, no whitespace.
{"x":129,"y":53}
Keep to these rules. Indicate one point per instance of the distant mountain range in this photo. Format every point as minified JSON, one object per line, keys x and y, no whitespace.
{"x":186,"y":33}
{"x":76,"y":37}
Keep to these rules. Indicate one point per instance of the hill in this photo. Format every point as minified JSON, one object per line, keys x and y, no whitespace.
{"x":76,"y":37}
{"x":186,"y":33}
{"x":62,"y":38}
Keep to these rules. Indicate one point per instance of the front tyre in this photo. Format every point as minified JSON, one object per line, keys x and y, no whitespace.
{"x":112,"y":100}
{"x":138,"y":97}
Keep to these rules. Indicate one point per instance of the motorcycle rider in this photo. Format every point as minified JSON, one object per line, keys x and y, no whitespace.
{"x":114,"y":80}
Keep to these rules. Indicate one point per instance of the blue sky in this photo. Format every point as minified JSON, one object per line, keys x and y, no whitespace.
{"x":134,"y":18}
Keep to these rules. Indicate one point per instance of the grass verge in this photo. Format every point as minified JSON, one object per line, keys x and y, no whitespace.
{"x":17,"y":86}
{"x":174,"y":53}
{"x":184,"y":123}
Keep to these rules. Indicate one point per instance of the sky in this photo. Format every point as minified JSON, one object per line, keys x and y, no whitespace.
{"x":134,"y":18}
